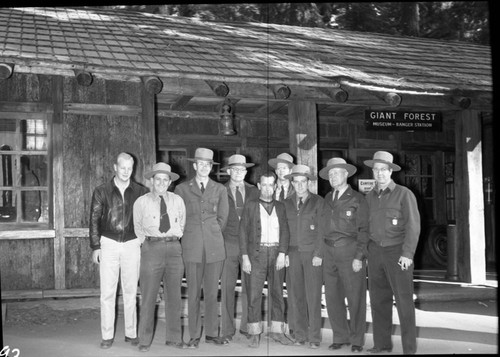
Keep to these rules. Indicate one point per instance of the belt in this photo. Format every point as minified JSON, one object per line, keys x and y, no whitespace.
{"x":338,"y":243}
{"x":269,"y":244}
{"x":164,"y":239}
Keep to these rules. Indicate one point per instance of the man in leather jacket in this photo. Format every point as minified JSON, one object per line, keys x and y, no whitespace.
{"x":116,"y":248}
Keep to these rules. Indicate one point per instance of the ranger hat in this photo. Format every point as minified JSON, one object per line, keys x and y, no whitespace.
{"x":205,"y":155}
{"x":383,"y":157}
{"x":161,"y":168}
{"x":237,"y":160}
{"x":300,"y":170}
{"x":284,"y":158}
{"x":337,"y":162}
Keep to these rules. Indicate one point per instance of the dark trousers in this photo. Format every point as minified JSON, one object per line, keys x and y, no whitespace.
{"x":386,"y":279}
{"x":161,"y":261}
{"x":208,"y":275}
{"x":305,"y":290}
{"x":264,"y":267}
{"x":342,"y":282}
{"x":290,"y":303}
{"x":228,"y":298}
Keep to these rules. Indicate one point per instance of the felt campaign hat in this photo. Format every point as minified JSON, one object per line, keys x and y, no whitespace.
{"x":237,"y":160}
{"x":161,"y":168}
{"x":383,"y":157}
{"x":300,"y":170}
{"x":337,"y":162}
{"x":205,"y":155}
{"x":284,"y":158}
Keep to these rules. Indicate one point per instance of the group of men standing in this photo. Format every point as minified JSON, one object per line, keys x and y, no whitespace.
{"x":275,"y":232}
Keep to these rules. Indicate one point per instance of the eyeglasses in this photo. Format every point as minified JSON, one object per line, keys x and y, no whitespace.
{"x":382,"y":170}
{"x":203,"y":163}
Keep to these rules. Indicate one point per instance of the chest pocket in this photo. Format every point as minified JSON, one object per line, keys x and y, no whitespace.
{"x":394,"y":221}
{"x":347,"y":218}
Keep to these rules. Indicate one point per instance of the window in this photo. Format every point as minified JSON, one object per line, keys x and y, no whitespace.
{"x":419,"y":177}
{"x":449,"y":175}
{"x":23,"y":171}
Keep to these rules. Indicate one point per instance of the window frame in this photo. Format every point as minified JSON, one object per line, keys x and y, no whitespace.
{"x":18,"y":147}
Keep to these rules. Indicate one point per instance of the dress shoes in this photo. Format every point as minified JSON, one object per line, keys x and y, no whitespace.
{"x":193,"y":343}
{"x":337,"y":346}
{"x":228,"y":338}
{"x":254,"y":341}
{"x":314,"y":345}
{"x":105,"y":344}
{"x":379,"y":350}
{"x":299,"y":343}
{"x":220,"y":341}
{"x":143,"y":348}
{"x":355,"y":348}
{"x":176,"y":344}
{"x":244,"y":333}
{"x":281,"y":338}
{"x":133,"y":341}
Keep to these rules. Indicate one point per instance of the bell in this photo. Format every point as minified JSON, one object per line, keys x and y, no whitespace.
{"x":226,"y":121}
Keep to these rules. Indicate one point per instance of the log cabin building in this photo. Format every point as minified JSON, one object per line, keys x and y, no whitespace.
{"x":80,"y":85}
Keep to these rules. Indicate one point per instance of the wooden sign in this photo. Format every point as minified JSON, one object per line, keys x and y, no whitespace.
{"x":403,"y":120}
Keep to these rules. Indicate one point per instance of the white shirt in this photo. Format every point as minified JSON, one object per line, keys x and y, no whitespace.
{"x":270,"y":232}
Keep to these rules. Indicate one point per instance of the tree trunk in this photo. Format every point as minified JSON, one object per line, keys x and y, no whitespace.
{"x":410,"y":19}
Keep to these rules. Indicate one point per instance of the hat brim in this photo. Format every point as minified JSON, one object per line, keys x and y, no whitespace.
{"x":173,"y":176}
{"x":247,"y":165}
{"x":274,"y":162}
{"x":309,"y":176}
{"x":393,"y":166}
{"x":203,"y":159}
{"x":351,"y":170}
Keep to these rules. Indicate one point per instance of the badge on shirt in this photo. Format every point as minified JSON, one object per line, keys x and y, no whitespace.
{"x":312,"y":227}
{"x":348,"y":213}
{"x":394,"y":221}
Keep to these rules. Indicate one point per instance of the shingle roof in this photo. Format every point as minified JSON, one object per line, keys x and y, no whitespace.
{"x":147,"y":44}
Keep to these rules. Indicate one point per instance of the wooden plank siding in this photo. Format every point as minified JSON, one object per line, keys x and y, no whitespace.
{"x":88,"y":126}
{"x":27,"y":264}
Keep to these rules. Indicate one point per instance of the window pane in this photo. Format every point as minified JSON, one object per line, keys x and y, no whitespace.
{"x":34,"y":134}
{"x":7,"y":208}
{"x":31,"y":205}
{"x":34,"y":170}
{"x":5,"y":168}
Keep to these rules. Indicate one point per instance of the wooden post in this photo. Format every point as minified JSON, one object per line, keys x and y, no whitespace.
{"x":469,"y":198}
{"x":303,"y":135}
{"x":148,"y":152}
{"x":56,"y":152}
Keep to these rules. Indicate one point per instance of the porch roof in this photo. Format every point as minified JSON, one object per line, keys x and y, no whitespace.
{"x":125,"y":43}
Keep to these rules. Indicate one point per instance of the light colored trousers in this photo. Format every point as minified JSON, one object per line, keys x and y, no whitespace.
{"x":119,"y":260}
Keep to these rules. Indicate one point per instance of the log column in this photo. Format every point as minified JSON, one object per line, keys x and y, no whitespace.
{"x":152,"y":86}
{"x":56,"y":152}
{"x":303,"y":135}
{"x":469,"y":198}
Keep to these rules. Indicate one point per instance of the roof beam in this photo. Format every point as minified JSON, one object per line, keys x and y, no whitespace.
{"x":181,"y":102}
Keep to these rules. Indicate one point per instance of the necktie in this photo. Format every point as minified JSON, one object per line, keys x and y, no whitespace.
{"x":336,"y":197}
{"x":300,"y":203}
{"x":282,"y":194}
{"x":164,"y":220}
{"x":202,"y":187}
{"x":239,"y":201}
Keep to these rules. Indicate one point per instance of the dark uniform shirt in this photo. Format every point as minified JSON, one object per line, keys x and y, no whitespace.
{"x":394,"y":218}
{"x":346,"y":220}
